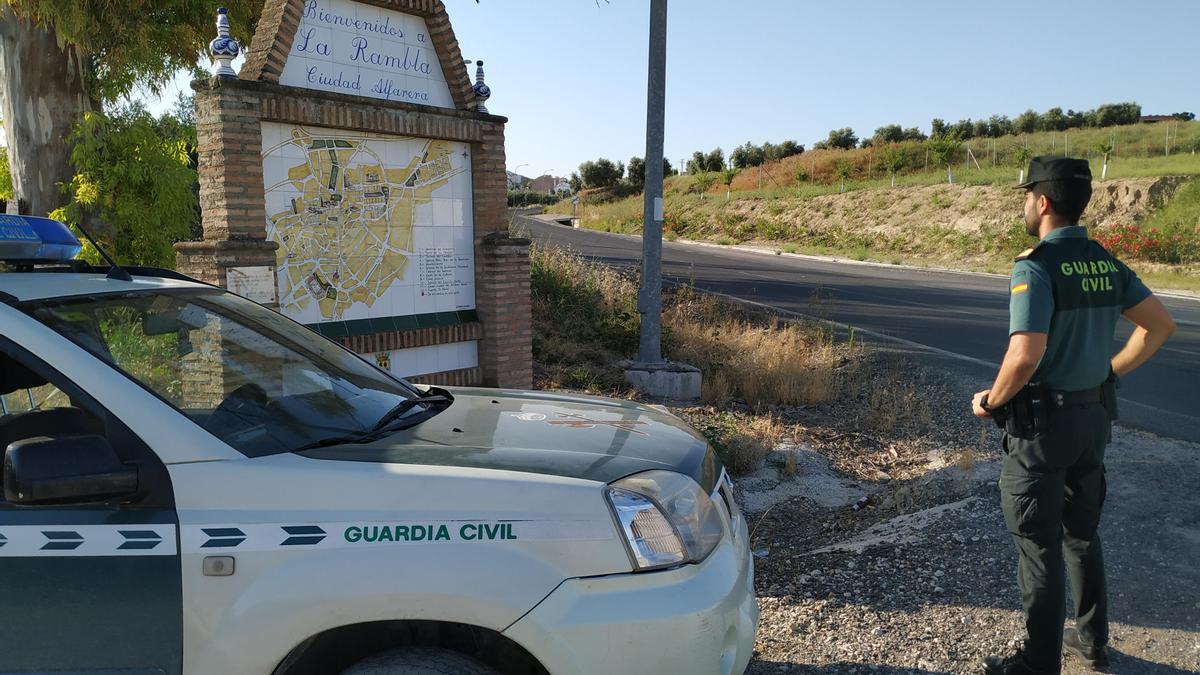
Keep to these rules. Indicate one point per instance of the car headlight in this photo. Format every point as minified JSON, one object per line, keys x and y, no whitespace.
{"x":666,"y":517}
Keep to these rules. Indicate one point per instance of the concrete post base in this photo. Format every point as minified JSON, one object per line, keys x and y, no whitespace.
{"x":677,"y":381}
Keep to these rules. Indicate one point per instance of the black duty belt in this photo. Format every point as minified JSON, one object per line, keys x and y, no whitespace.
{"x":1030,"y":411}
{"x":1074,"y":399}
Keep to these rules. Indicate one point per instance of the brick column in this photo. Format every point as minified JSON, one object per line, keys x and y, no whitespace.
{"x":502,"y":296}
{"x":229,"y":134}
{"x":501,"y":271}
{"x":490,"y":203}
{"x":232,"y":204}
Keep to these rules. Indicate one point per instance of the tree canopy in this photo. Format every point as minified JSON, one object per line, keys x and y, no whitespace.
{"x":601,"y":173}
{"x":136,"y":174}
{"x":842,"y":139}
{"x":750,"y":154}
{"x":132,"y":43}
{"x":713,"y":160}
{"x":635,"y":174}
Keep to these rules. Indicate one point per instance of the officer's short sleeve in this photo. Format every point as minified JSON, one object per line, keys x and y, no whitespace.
{"x":1133,"y":290}
{"x":1031,"y":299}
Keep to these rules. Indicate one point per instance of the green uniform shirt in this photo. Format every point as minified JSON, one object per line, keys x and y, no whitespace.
{"x":1072,"y":289}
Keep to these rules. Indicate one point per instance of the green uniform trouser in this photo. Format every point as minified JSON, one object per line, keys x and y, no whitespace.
{"x":1051,"y":491}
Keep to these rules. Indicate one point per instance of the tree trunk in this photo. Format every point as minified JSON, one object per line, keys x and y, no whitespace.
{"x":42,"y":95}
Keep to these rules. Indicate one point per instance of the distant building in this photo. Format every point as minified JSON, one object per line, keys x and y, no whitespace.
{"x":543,"y":183}
{"x":515,"y":180}
{"x":1157,"y":118}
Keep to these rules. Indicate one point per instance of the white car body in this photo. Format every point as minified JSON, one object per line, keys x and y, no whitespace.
{"x":531,"y":556}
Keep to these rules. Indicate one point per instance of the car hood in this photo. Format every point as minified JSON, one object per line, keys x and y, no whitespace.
{"x":563,"y":435}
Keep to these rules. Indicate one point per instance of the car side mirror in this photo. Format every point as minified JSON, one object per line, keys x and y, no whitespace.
{"x":80,"y":468}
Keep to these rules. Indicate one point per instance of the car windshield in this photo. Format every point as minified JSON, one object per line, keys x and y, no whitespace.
{"x":254,"y":379}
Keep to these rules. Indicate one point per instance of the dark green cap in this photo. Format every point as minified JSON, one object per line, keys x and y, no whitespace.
{"x":1054,"y":167}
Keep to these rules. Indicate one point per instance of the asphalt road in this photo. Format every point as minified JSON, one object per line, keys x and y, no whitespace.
{"x":964,"y":316}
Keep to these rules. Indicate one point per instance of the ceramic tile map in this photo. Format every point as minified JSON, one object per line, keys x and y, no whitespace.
{"x":368,"y":225}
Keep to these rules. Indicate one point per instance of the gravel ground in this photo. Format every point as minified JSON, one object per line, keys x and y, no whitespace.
{"x":921,"y":577}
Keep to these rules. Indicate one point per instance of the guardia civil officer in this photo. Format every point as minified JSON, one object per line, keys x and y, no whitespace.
{"x":1055,"y":395}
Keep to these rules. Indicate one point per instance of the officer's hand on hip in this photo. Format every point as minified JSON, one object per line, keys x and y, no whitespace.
{"x":977,"y":405}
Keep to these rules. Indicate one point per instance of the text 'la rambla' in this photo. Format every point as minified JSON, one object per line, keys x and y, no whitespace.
{"x":411,"y":60}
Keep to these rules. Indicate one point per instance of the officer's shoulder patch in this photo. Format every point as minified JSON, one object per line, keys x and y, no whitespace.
{"x":1023,"y":255}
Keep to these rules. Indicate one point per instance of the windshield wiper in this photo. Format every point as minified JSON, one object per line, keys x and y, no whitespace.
{"x":380,"y":427}
{"x":360,"y":437}
{"x":402,"y":407}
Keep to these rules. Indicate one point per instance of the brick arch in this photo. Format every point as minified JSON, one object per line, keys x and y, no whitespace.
{"x":272,"y":42}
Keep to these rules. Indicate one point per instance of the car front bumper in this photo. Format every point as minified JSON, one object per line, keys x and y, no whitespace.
{"x":693,"y":619}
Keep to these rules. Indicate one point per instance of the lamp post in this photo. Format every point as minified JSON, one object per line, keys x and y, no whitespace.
{"x":547,"y":172}
{"x":518,"y":171}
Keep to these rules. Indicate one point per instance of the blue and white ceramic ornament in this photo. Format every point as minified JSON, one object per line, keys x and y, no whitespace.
{"x":224,"y":49}
{"x":482,"y":91}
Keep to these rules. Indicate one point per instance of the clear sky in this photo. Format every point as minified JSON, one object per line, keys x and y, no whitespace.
{"x":571,"y":75}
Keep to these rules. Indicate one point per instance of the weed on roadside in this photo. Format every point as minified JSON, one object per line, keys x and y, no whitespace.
{"x":756,"y":359}
{"x":741,"y":440}
{"x":894,"y":407}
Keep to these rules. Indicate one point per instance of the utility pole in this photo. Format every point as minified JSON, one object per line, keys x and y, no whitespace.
{"x":652,"y":374}
{"x":650,"y":294}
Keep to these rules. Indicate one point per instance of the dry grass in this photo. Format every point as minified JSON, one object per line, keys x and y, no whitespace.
{"x":966,"y":459}
{"x":894,"y":407}
{"x":585,"y":321}
{"x":748,"y":356}
{"x":752,"y":440}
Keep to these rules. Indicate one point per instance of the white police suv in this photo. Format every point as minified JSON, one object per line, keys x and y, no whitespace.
{"x":194,"y":483}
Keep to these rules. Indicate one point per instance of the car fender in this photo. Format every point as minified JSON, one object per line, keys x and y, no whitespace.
{"x":279,"y":595}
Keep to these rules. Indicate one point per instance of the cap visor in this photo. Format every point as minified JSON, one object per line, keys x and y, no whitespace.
{"x":1024,"y":186}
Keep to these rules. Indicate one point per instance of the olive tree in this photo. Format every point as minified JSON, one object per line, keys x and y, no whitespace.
{"x":944,"y":149}
{"x":891,"y":159}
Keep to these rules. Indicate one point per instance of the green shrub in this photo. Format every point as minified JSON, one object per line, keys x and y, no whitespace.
{"x":772,"y":229}
{"x":520,"y":198}
{"x":134,"y":174}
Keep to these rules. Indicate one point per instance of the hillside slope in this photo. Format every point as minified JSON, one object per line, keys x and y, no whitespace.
{"x":966,"y":209}
{"x":976,"y":227}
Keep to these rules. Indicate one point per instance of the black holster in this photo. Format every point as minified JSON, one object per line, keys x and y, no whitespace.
{"x":1108,"y":393}
{"x":1025,"y":414}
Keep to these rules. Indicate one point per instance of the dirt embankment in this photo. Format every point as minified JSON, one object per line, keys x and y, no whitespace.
{"x":967,"y":209}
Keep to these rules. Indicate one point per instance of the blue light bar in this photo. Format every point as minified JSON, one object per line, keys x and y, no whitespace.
{"x":34,"y":238}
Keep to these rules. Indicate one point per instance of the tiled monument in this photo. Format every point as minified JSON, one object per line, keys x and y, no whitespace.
{"x":351,"y":177}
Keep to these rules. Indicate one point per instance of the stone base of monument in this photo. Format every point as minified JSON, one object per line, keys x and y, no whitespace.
{"x":677,"y":381}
